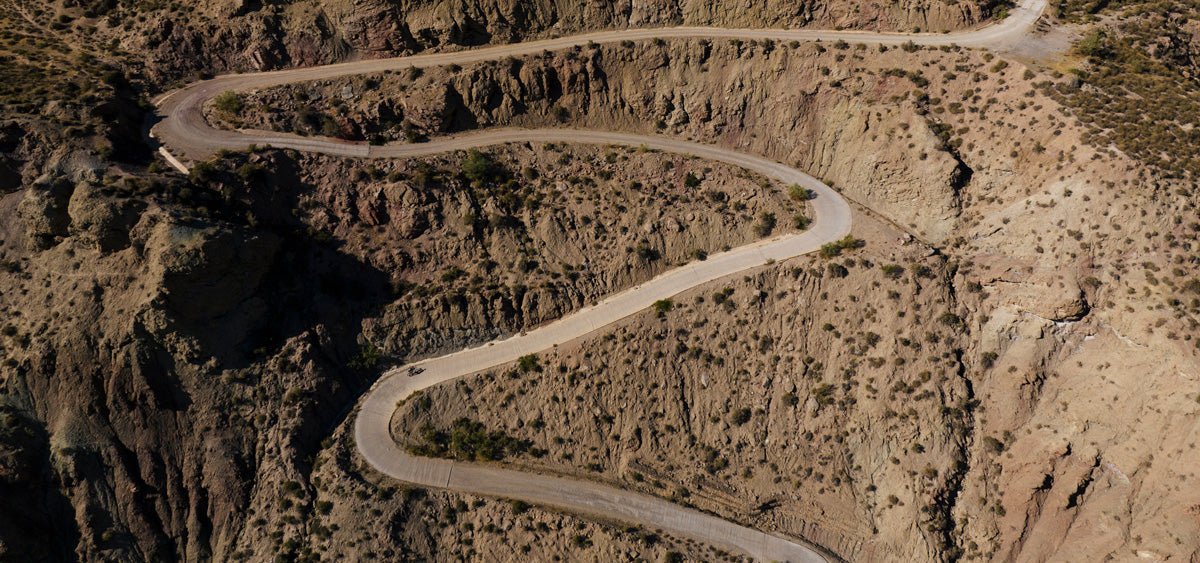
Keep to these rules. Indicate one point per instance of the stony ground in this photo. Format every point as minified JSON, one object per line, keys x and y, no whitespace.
{"x":180,"y":353}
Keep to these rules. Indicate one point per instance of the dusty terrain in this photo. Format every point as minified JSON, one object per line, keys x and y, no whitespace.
{"x":543,"y":230}
{"x":180,"y":353}
{"x":1039,"y":246}
{"x":391,"y":258}
{"x":751,"y":398}
{"x":221,"y":35}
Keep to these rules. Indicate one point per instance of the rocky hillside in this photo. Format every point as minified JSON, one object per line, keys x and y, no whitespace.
{"x":1077,"y":259}
{"x":220,"y":35}
{"x":822,"y":398}
{"x":177,"y":349}
{"x":180,"y":354}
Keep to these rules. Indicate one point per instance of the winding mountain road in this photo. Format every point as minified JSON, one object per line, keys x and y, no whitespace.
{"x":372,"y":427}
{"x":184,"y":132}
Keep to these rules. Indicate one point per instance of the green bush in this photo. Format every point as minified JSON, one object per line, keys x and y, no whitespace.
{"x":529,"y":363}
{"x":765,"y":224}
{"x":477,"y":167}
{"x":202,"y":173}
{"x":830,"y":250}
{"x":330,"y":128}
{"x":250,"y":172}
{"x":799,"y":193}
{"x":468,"y":440}
{"x":664,"y":305}
{"x":366,"y":358}
{"x":1094,"y":43}
{"x":823,"y":394}
{"x":850,"y":243}
{"x":229,"y":102}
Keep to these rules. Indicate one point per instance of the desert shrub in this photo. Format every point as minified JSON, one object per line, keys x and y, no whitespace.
{"x":823,"y":394}
{"x":202,"y":172}
{"x":477,"y":167}
{"x":988,"y":359}
{"x":468,"y":440}
{"x":366,"y":358}
{"x":529,"y":363}
{"x":765,"y":224}
{"x":250,"y":172}
{"x":950,"y":319}
{"x":848,"y":242}
{"x":330,"y":128}
{"x":229,"y":102}
{"x":1094,"y":43}
{"x":799,"y":193}
{"x":713,"y":460}
{"x":646,"y":252}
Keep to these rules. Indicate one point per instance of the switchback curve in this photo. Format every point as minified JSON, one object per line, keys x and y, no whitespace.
{"x":372,"y":428}
{"x":184,"y":130}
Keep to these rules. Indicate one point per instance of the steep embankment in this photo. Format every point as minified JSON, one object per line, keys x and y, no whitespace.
{"x":1058,"y":247}
{"x":203,"y":344}
{"x":797,"y":398}
{"x":224,"y":35}
{"x":1075,"y":286}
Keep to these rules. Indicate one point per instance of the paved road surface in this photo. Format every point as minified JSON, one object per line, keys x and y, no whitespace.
{"x":184,"y":132}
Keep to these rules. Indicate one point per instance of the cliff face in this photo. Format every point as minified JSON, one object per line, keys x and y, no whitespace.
{"x":822,"y":399}
{"x":860,"y":127}
{"x":1070,"y":260}
{"x":174,"y":359}
{"x":124,"y":325}
{"x":179,"y":354}
{"x":255,"y":36}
